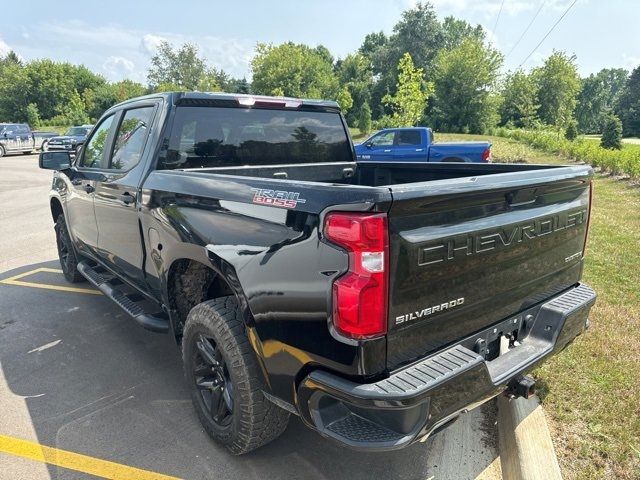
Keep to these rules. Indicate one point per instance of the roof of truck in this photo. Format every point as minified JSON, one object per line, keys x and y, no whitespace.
{"x":247,"y":100}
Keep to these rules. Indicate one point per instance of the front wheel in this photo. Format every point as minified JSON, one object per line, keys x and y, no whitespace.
{"x":2,"y":151}
{"x":225,"y":380}
{"x":45,"y":146}
{"x":66,"y":252}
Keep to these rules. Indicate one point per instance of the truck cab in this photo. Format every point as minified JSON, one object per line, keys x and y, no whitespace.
{"x":417,"y":144}
{"x":15,"y":138}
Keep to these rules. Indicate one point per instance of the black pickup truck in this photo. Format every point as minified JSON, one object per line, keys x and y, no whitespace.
{"x":377,"y":301}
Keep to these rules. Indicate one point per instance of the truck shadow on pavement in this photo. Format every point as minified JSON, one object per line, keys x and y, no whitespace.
{"x":93,"y":382}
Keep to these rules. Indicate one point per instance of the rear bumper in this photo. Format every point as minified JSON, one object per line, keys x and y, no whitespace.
{"x":413,"y":402}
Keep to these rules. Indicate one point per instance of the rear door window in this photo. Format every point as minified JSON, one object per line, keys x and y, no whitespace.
{"x":408,"y":138}
{"x":131,"y":138}
{"x":220,"y":136}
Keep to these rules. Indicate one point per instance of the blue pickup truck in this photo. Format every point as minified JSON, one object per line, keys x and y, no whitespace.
{"x":416,"y":144}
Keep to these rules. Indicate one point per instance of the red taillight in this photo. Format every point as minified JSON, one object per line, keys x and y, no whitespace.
{"x":486,"y":155}
{"x":360,"y":295}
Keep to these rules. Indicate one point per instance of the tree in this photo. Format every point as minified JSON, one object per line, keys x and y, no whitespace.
{"x":10,"y":58}
{"x":571,"y":132}
{"x":293,"y":70}
{"x":464,"y":77}
{"x":14,"y":93}
{"x":344,"y":100}
{"x":611,"y":132}
{"x":598,"y":95}
{"x":364,"y":119}
{"x":411,"y":96}
{"x":354,"y":73}
{"x":558,"y":85}
{"x":105,"y":96}
{"x":519,"y":105}
{"x":628,"y":105}
{"x":455,"y":31}
{"x":418,"y":33}
{"x":182,"y":67}
{"x":237,"y":85}
{"x":33,"y":116}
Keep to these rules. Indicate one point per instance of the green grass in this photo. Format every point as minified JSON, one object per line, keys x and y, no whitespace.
{"x":60,"y":129}
{"x":356,"y":135}
{"x":590,"y":391}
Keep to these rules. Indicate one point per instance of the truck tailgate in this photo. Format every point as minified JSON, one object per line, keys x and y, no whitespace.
{"x":466,"y":253}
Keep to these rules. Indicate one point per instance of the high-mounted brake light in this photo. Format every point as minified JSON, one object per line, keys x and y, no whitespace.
{"x":360,"y":295}
{"x":486,"y":155}
{"x":281,"y":102}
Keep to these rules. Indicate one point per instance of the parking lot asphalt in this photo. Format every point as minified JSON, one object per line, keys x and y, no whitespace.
{"x":107,"y":399}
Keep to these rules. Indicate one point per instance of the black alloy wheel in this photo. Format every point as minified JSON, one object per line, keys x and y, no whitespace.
{"x":213,"y":381}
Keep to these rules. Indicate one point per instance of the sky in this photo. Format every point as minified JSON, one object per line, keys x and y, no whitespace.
{"x":117,"y":38}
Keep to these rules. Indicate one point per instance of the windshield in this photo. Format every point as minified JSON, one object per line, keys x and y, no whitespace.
{"x":218,"y":137}
{"x":77,"y":131}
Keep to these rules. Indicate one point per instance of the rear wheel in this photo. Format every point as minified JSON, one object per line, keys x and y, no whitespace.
{"x":66,"y":252}
{"x":45,"y":146}
{"x":225,"y":380}
{"x":2,"y":151}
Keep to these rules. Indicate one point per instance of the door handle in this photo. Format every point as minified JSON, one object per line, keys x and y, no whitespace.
{"x":127,"y":198}
{"x":89,"y":188}
{"x":419,"y":149}
{"x":387,"y":150}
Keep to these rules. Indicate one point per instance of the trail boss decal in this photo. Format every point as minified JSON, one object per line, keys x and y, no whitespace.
{"x":425,"y":312}
{"x":276,"y":198}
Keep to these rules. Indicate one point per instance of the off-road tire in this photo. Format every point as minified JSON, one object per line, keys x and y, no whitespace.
{"x":66,"y":252}
{"x":255,"y":421}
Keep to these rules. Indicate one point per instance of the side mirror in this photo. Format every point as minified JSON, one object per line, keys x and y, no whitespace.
{"x":54,"y":160}
{"x":369,"y":145}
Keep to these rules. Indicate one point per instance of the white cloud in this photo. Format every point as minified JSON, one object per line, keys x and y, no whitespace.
{"x":118,"y":67}
{"x":4,"y":48}
{"x":122,"y":52}
{"x":630,"y":61}
{"x":150,"y":43}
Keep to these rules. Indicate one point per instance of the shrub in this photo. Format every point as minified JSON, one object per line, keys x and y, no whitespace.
{"x":571,"y":132}
{"x":364,"y":119}
{"x":624,"y":161}
{"x":33,"y":115}
{"x":611,"y":133}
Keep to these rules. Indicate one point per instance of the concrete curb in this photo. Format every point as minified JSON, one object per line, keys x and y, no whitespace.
{"x":526,"y":449}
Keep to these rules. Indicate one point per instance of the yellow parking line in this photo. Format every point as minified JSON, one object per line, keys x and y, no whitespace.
{"x":16,"y":280}
{"x":76,"y":461}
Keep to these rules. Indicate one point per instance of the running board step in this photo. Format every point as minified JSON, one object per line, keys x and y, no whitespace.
{"x":155,"y":322}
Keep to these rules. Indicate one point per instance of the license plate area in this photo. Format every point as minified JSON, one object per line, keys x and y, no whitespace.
{"x":500,"y":338}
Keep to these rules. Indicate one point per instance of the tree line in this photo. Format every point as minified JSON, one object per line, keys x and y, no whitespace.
{"x":440,"y":73}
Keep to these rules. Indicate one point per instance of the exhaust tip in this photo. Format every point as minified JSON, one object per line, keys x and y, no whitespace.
{"x":523,"y":386}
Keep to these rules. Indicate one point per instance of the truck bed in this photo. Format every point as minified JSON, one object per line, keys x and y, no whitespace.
{"x":372,"y":174}
{"x":495,"y":238}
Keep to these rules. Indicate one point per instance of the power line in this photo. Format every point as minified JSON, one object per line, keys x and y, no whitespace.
{"x":548,"y":33}
{"x":526,"y":29}
{"x":498,"y":18}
